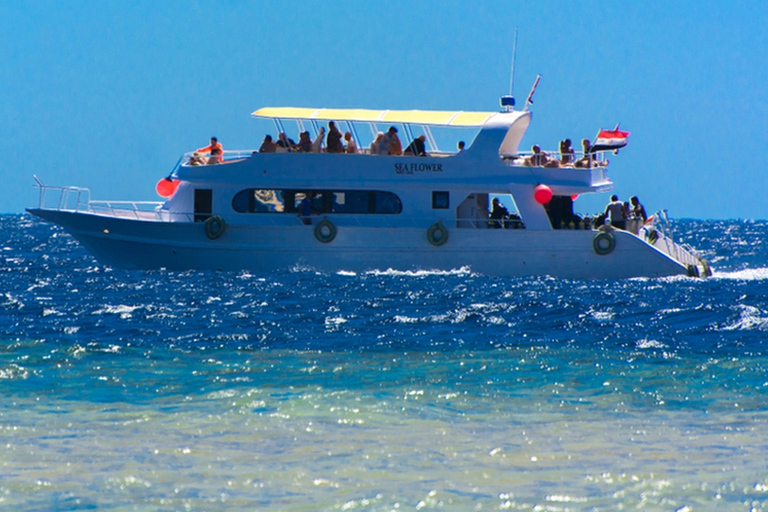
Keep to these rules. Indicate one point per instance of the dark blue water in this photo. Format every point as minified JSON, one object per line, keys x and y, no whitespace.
{"x":382,"y":391}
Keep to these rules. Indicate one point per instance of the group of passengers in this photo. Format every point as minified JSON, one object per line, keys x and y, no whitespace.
{"x":617,"y":213}
{"x":215,"y":153}
{"x":567,"y":156}
{"x":334,"y":142}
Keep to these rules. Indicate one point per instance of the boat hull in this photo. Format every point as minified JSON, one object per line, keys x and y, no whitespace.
{"x":146,"y":244}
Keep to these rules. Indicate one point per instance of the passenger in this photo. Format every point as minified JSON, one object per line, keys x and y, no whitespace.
{"x":317,"y":144}
{"x":284,"y":144}
{"x":214,"y":144}
{"x":588,"y":158}
{"x":417,"y":146}
{"x":333,"y":143}
{"x":566,"y":152}
{"x":268,"y":146}
{"x":374,"y":149}
{"x":615,"y":212}
{"x":196,"y":159}
{"x":305,"y":143}
{"x":305,"y":208}
{"x":460,"y":145}
{"x":637,"y":211}
{"x":390,"y":143}
{"x":215,"y":157}
{"x":538,"y":158}
{"x":351,"y":146}
{"x":498,"y":214}
{"x":395,"y":146}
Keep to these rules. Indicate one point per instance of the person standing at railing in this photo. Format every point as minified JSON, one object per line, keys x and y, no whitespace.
{"x":616,"y":213}
{"x":637,"y":211}
{"x":333,"y":142}
{"x":215,"y":144}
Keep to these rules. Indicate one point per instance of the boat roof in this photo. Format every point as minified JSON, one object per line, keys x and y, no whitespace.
{"x":457,"y":118}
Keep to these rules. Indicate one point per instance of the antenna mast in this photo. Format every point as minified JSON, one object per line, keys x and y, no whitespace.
{"x":514,"y":57}
{"x":508,"y":102}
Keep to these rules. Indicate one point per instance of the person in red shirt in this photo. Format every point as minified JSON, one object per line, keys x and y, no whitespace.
{"x":214,"y":145}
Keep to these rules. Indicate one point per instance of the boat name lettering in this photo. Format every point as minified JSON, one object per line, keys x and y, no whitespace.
{"x":412,"y":168}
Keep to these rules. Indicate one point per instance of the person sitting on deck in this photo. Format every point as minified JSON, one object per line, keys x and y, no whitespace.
{"x":215,"y":157}
{"x":196,"y":159}
{"x":209,"y":148}
{"x":416,"y":147}
{"x":305,"y":143}
{"x":539,"y":158}
{"x":376,"y":143}
{"x":317,"y":144}
{"x":284,"y":144}
{"x":351,"y":146}
{"x":268,"y":146}
{"x":588,"y":159}
{"x":390,"y":143}
{"x":566,"y":152}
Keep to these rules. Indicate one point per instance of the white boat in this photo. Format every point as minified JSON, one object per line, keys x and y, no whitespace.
{"x":372,"y":211}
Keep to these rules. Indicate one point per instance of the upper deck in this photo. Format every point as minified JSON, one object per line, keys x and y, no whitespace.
{"x":492,"y":150}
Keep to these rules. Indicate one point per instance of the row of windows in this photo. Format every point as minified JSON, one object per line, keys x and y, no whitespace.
{"x":323,"y":201}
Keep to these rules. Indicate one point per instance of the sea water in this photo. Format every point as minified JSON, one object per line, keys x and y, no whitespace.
{"x":382,"y":391}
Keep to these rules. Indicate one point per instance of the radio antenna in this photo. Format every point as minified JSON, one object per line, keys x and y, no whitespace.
{"x":508,"y":102}
{"x":514,"y":57}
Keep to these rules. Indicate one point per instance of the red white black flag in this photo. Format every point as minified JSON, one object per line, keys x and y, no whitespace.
{"x":610,"y":140}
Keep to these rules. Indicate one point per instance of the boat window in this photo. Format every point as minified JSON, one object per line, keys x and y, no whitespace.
{"x":385,"y":202}
{"x":258,"y":201}
{"x":203,"y":204}
{"x":482,"y":210}
{"x":323,"y":201}
{"x":440,"y":201}
{"x":355,"y":201}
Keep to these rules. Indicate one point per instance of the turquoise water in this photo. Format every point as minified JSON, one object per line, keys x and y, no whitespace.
{"x":383,"y":391}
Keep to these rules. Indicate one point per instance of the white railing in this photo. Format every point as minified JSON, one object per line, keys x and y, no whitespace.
{"x":69,"y":198}
{"x":659,"y":234}
{"x":554,"y":159}
{"x":78,"y":199}
{"x":229,"y":156}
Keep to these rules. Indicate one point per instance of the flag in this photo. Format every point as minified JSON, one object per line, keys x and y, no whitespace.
{"x":529,"y":101}
{"x":610,"y":140}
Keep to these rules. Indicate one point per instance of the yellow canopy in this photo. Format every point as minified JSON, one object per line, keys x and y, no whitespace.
{"x":426,"y":117}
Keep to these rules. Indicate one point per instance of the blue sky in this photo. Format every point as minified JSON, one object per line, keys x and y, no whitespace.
{"x":107,"y":95}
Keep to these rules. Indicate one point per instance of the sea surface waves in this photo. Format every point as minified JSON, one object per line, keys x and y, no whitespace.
{"x":382,"y":391}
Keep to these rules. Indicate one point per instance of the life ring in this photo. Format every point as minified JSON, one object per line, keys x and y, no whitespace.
{"x":325,"y":231}
{"x":215,"y":227}
{"x":603,"y":243}
{"x":437,"y":234}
